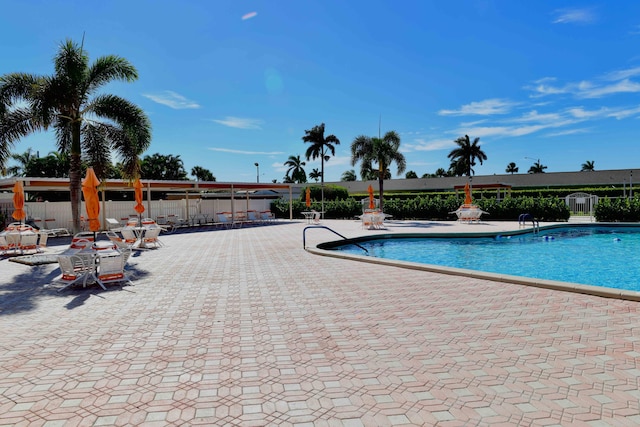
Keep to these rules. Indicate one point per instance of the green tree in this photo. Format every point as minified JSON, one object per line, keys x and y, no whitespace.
{"x":202,"y":174}
{"x":411,"y":175}
{"x":159,"y":166}
{"x":349,"y":175}
{"x":466,"y":154}
{"x":458,"y":167}
{"x":511,"y":168}
{"x":381,"y":151}
{"x":315,"y":174}
{"x":440,"y":172}
{"x":295,"y":169}
{"x":537,"y":168}
{"x":22,"y":162}
{"x":71,"y":102}
{"x":320,"y":147}
{"x":588,"y":166}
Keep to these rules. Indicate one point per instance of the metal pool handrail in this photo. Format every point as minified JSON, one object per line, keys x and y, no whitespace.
{"x":304,"y":236}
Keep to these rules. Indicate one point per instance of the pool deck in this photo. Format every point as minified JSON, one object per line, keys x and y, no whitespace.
{"x":243,"y":327}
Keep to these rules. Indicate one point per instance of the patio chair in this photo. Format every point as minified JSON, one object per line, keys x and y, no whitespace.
{"x":267,"y":216}
{"x":4,"y":246}
{"x":110,"y":268}
{"x":113,"y":224}
{"x":76,"y":268}
{"x":129,"y":235}
{"x":42,"y":241}
{"x":28,"y":242}
{"x":223,"y":220}
{"x":252,"y":218}
{"x":150,"y":237}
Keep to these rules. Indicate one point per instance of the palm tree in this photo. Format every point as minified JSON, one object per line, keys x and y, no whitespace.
{"x":537,"y":168}
{"x":440,"y":172}
{"x":202,"y":174}
{"x":23,"y":160}
{"x":349,"y":175}
{"x":70,"y":102}
{"x":411,"y":175}
{"x":320,"y":147}
{"x":466,"y":154}
{"x":381,"y":151}
{"x":588,"y":166}
{"x":296,"y":171}
{"x":160,"y":166}
{"x":511,"y":168}
{"x":315,"y":174}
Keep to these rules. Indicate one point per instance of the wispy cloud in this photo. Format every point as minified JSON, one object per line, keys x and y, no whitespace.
{"x":588,"y":89}
{"x":231,"y":150}
{"x":172,"y":99}
{"x":240,"y":122}
{"x":481,"y":108}
{"x":428,"y":145}
{"x":623,"y":74}
{"x":569,"y":132}
{"x":249,"y":15}
{"x":574,"y":16}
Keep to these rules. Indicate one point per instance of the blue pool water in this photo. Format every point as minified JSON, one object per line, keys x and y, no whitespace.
{"x":600,"y":256}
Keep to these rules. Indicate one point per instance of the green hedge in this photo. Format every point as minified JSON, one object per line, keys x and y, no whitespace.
{"x":434,"y":208}
{"x":622,"y":210}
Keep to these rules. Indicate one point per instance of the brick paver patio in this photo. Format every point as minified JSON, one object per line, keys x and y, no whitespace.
{"x":243,"y":327}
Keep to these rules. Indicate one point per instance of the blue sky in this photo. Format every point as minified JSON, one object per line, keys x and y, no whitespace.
{"x":227,"y":84}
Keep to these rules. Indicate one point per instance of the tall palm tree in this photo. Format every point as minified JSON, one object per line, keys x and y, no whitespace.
{"x":381,"y":151}
{"x":511,"y":168}
{"x":320,"y":147}
{"x":69,"y":101}
{"x":315,"y":174}
{"x":537,"y":168}
{"x":588,"y":166}
{"x":23,"y":160}
{"x":202,"y":174}
{"x":349,"y":175}
{"x":296,"y":171}
{"x":467,"y":153}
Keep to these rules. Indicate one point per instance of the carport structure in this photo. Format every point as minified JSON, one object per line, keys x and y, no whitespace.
{"x":188,"y":188}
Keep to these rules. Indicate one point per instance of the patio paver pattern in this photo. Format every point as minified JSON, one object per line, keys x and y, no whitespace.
{"x":243,"y":327}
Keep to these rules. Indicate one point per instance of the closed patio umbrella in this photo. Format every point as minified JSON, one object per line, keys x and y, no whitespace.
{"x":18,"y":201}
{"x":91,"y":200}
{"x":467,"y":194}
{"x":307,"y":198}
{"x":372,"y":202}
{"x":137,"y":185}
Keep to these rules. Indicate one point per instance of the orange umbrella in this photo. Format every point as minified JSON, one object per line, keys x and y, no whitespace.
{"x":18,"y":201}
{"x":467,"y":194}
{"x":91,"y":200}
{"x":372,"y":202}
{"x":308,"y":197}
{"x":138,"y":187}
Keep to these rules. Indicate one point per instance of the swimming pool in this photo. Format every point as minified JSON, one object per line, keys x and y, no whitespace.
{"x":603,"y":256}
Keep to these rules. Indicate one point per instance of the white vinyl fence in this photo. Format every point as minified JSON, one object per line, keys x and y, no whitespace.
{"x":58,"y":214}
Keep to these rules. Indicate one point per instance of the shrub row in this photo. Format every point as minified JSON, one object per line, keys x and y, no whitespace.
{"x":434,"y":208}
{"x":614,"y":210}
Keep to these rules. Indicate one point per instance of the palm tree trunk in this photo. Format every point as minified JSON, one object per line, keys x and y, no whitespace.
{"x":381,"y":187}
{"x":322,"y":183}
{"x":75,"y":178}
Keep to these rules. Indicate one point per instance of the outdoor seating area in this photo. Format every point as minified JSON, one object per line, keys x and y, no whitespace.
{"x":19,"y":239}
{"x":373,"y":219}
{"x":87,"y":261}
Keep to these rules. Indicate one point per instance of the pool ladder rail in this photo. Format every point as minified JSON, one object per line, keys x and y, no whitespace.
{"x":304,"y":236}
{"x":522,"y":222}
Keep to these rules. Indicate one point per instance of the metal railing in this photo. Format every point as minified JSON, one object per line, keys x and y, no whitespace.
{"x":304,"y":236}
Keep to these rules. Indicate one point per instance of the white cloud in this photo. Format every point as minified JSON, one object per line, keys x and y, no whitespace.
{"x":249,"y":15}
{"x":569,"y":132}
{"x":571,"y":16}
{"x":483,"y":108}
{"x":624,"y":86}
{"x":240,"y":123}
{"x":230,"y":150}
{"x":172,"y":100}
{"x":431,"y":145}
{"x":623,"y":74}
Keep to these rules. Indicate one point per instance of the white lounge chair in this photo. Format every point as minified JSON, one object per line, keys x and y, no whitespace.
{"x":110,"y":268}
{"x":150,"y":237}
{"x":28,"y":242}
